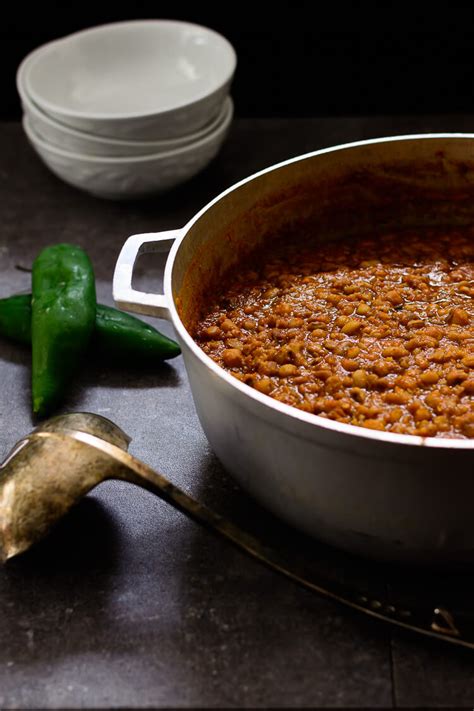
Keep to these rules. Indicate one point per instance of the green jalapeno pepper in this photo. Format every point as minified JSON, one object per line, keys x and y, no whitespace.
{"x":124,"y":337}
{"x":117,"y":335}
{"x":63,"y":311}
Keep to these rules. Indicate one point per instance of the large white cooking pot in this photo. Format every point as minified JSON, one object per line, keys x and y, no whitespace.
{"x":380,"y":494}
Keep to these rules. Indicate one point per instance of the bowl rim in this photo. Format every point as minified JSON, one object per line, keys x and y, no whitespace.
{"x":36,"y":55}
{"x":220,"y":129}
{"x":359,"y":434}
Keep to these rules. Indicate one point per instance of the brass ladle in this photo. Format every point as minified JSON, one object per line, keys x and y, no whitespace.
{"x":51,"y":469}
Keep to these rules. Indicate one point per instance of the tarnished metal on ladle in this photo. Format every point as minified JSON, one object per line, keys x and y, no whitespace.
{"x":47,"y":472}
{"x":51,"y":469}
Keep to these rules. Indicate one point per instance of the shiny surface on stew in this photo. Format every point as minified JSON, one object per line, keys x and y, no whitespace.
{"x":376,"y":331}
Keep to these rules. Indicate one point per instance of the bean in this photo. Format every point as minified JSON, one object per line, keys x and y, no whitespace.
{"x":232,"y":358}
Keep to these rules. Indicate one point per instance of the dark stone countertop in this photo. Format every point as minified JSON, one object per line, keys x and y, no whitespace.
{"x":128,"y":603}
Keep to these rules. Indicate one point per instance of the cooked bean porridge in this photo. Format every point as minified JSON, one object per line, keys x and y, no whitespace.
{"x":376,"y":331}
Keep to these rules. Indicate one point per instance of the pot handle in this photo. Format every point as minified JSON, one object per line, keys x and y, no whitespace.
{"x":125,"y":296}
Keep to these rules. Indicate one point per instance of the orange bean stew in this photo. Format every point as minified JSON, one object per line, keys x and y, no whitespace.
{"x":375,"y":331}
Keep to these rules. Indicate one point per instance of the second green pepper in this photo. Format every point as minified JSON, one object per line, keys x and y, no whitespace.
{"x":117,"y":335}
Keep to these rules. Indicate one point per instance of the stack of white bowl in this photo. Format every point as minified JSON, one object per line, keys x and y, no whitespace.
{"x":128,"y":109}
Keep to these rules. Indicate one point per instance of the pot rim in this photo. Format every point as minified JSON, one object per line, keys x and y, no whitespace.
{"x":354,"y":431}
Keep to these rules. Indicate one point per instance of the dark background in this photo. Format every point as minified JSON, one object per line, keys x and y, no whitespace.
{"x":294,"y":58}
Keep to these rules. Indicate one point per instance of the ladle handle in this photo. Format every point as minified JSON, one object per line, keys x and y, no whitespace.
{"x":434,"y":622}
{"x":137,"y":472}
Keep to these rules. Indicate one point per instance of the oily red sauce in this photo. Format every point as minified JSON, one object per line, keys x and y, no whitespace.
{"x":376,"y":331}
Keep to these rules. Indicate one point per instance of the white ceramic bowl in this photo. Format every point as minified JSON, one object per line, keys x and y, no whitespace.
{"x":131,"y":177}
{"x":75,"y":141}
{"x":139,"y":80}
